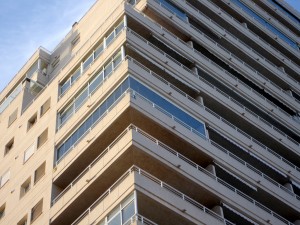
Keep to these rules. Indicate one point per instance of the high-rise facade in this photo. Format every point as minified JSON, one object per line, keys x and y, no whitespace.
{"x":158,"y":112}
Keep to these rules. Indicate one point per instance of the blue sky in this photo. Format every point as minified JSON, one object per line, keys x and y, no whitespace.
{"x":27,"y":24}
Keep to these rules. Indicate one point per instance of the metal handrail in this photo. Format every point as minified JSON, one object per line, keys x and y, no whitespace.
{"x":225,"y":95}
{"x":163,"y":185}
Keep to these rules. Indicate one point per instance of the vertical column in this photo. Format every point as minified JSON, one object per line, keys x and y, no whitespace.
{"x":125,"y":21}
{"x":219,"y":210}
{"x":211,"y":168}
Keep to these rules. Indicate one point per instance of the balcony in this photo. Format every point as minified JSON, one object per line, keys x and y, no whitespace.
{"x":96,"y":143}
{"x":184,"y":71}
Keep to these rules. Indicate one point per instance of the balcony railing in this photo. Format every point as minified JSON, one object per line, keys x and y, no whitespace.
{"x":242,"y":43}
{"x":223,"y":70}
{"x":220,"y":118}
{"x":284,"y":12}
{"x":280,"y":55}
{"x":162,"y":184}
{"x":237,"y":58}
{"x":10,"y":98}
{"x":163,"y":146}
{"x":225,"y":95}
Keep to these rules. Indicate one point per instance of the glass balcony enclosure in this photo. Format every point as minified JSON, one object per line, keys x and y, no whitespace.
{"x":5,"y":103}
{"x":284,"y":11}
{"x":267,"y":25}
{"x":122,"y":213}
{"x":134,"y":86}
{"x":84,"y":65}
{"x":89,"y":88}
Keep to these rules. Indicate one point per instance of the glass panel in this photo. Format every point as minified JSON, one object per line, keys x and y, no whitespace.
{"x":64,"y":116}
{"x":173,"y":8}
{"x":119,"y":27}
{"x":110,"y":38}
{"x":128,"y":212}
{"x":96,"y":115}
{"x":94,"y":84}
{"x":75,"y":76}
{"x":98,"y":51}
{"x":75,"y":137}
{"x":265,"y":23}
{"x":147,"y":93}
{"x":81,"y":98}
{"x":65,"y":87}
{"x":88,"y":62}
{"x":81,"y":130}
{"x":110,"y":100}
{"x":283,"y":10}
{"x":116,"y":220}
{"x":31,"y":71}
{"x":68,"y":144}
{"x":60,"y":152}
{"x":108,"y":69}
{"x":166,"y":105}
{"x":117,"y":60}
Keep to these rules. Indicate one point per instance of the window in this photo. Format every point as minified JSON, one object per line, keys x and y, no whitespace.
{"x":36,"y":211}
{"x":121,"y":214}
{"x":39,"y":172}
{"x":42,"y":138}
{"x":5,"y":178}
{"x":2,"y":211}
{"x":174,"y":9}
{"x":89,"y":89}
{"x":45,"y":107}
{"x":23,"y":221}
{"x":98,"y":49}
{"x":9,"y":146}
{"x":12,"y":117}
{"x":25,"y":187}
{"x":32,"y":121}
{"x":130,"y":83}
{"x":28,"y":153}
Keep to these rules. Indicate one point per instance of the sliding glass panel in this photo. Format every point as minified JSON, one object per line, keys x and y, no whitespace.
{"x":65,"y":87}
{"x":95,"y":83}
{"x":110,"y":38}
{"x":173,"y":8}
{"x":128,"y":211}
{"x":166,"y":105}
{"x":64,"y":116}
{"x":142,"y":90}
{"x":88,"y":62}
{"x":75,"y":76}
{"x":119,"y":27}
{"x":81,"y":98}
{"x":108,"y":69}
{"x":265,"y":23}
{"x":98,"y":51}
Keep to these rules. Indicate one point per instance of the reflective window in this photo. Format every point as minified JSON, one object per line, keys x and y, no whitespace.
{"x":88,"y":61}
{"x":76,"y":75}
{"x":283,"y":10}
{"x":121,"y":214}
{"x":98,"y":50}
{"x":147,"y":93}
{"x":265,"y":23}
{"x":173,"y":8}
{"x":89,"y":89}
{"x":81,"y":98}
{"x":64,"y":86}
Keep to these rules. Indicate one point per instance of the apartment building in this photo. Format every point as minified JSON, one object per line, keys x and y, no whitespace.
{"x":158,"y":112}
